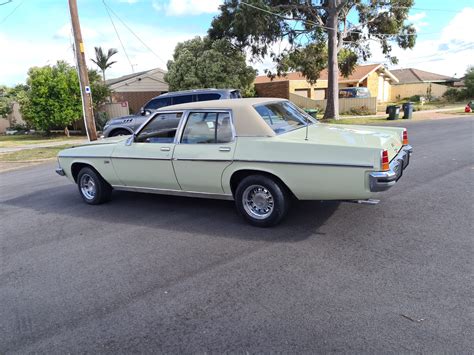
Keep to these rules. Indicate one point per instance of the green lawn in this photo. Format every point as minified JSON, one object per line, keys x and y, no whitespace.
{"x":27,"y":139}
{"x":34,"y":154}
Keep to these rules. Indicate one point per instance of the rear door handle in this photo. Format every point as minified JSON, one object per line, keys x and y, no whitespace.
{"x":224,"y":149}
{"x":165,"y":149}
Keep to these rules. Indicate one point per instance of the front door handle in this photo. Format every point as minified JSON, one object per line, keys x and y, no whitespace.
{"x":165,"y":149}
{"x":224,"y":149}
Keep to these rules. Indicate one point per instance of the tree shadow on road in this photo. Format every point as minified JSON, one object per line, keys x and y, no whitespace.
{"x":179,"y":214}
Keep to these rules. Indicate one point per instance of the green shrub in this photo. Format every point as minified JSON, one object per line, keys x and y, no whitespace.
{"x":414,"y":98}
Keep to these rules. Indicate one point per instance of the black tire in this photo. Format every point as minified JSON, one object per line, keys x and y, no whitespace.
{"x":261,"y":200}
{"x":119,"y":132}
{"x":93,"y":188}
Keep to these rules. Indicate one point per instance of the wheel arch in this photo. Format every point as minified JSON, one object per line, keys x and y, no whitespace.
{"x":238,"y":175}
{"x":120,"y":128}
{"x":77,"y":166}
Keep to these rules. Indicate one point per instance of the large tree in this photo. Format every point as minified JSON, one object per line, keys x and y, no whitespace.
{"x":6,"y":101}
{"x":319,"y":32}
{"x":52,"y":99}
{"x":202,"y":63}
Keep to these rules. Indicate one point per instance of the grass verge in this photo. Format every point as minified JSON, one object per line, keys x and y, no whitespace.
{"x":12,"y":141}
{"x":34,"y":154}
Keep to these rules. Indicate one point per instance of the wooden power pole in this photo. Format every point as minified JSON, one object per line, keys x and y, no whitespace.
{"x":83,"y":74}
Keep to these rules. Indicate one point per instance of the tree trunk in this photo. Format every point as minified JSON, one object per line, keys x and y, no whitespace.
{"x":332,"y":106}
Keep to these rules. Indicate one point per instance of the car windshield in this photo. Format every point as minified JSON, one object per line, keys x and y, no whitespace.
{"x":283,"y":116}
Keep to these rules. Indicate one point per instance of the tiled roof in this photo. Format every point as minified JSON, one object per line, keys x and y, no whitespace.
{"x":125,"y":77}
{"x":359,"y":73}
{"x":412,"y":75}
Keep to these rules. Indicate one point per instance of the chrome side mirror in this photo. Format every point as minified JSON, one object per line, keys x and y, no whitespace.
{"x":130,"y":140}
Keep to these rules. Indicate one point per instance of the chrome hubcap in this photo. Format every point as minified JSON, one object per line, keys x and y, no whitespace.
{"x":258,"y":201}
{"x":88,"y":188}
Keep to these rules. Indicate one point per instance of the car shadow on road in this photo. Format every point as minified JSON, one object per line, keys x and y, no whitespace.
{"x":191,"y":215}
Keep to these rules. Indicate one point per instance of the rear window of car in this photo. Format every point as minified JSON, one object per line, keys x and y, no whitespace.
{"x":158,"y":103}
{"x":283,"y":116}
{"x":208,"y":97}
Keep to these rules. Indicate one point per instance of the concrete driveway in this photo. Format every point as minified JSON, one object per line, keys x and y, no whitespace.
{"x":149,"y":273}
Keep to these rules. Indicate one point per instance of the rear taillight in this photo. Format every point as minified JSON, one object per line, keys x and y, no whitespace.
{"x":385,"y":162}
{"x":405,"y":137}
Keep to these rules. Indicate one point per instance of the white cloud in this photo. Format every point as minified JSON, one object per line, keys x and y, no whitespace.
{"x":449,"y":54}
{"x":187,"y":7}
{"x":24,"y":53}
{"x":128,"y":1}
{"x":417,"y":17}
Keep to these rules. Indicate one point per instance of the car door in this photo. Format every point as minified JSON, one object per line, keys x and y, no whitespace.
{"x":206,"y":147}
{"x":145,"y":160}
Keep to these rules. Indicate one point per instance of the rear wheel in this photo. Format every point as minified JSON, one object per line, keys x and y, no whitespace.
{"x":261,"y":200}
{"x":92,"y":187}
{"x":119,"y":132}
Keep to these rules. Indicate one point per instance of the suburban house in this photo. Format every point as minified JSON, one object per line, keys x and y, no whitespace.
{"x":375,"y":77}
{"x":138,"y":88}
{"x":413,"y":82}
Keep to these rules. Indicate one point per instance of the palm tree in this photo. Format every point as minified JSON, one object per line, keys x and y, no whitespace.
{"x":102,"y":59}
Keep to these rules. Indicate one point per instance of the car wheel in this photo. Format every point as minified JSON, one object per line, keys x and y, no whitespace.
{"x":92,"y":187}
{"x":119,"y":132}
{"x":261,"y":200}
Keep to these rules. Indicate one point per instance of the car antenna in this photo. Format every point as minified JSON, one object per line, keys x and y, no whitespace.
{"x":307,"y":126}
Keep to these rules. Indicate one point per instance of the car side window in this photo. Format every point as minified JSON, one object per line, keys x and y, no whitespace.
{"x":207,"y":127}
{"x":182,"y":99}
{"x":208,"y":97}
{"x":161,"y":129}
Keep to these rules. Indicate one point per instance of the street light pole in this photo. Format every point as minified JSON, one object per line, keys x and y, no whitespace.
{"x":83,"y":74}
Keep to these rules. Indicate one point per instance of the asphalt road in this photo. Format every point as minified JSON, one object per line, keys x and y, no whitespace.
{"x":148,"y":273}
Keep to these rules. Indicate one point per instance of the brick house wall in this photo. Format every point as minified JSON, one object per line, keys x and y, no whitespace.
{"x":279,"y":89}
{"x":135,"y":99}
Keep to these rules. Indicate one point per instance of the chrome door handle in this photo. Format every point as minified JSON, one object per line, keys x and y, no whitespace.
{"x":165,"y":149}
{"x":224,"y":149}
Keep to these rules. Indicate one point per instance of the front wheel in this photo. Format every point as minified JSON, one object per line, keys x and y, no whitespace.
{"x":92,"y":187}
{"x":261,"y":200}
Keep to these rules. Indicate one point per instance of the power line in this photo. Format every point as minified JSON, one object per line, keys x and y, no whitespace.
{"x":11,"y":13}
{"x":118,"y":36}
{"x":326,"y":27}
{"x":6,"y":2}
{"x":136,"y":36}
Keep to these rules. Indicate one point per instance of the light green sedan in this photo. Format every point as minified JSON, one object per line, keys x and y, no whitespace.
{"x":259,"y":152}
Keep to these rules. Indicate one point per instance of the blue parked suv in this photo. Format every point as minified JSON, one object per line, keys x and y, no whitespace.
{"x":128,"y":124}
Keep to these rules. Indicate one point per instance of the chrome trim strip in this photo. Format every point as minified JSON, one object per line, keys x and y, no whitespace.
{"x":237,"y":161}
{"x":306,"y":163}
{"x":85,"y":156}
{"x":174,"y":192}
{"x":205,"y":160}
{"x":140,"y":158}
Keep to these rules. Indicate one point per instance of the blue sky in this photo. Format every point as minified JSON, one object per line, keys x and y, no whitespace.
{"x":38,"y":33}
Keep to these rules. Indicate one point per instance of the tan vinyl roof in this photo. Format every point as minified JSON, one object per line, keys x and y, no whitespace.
{"x":247,"y":121}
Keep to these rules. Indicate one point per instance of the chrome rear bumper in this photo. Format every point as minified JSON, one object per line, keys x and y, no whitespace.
{"x":383,"y":180}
